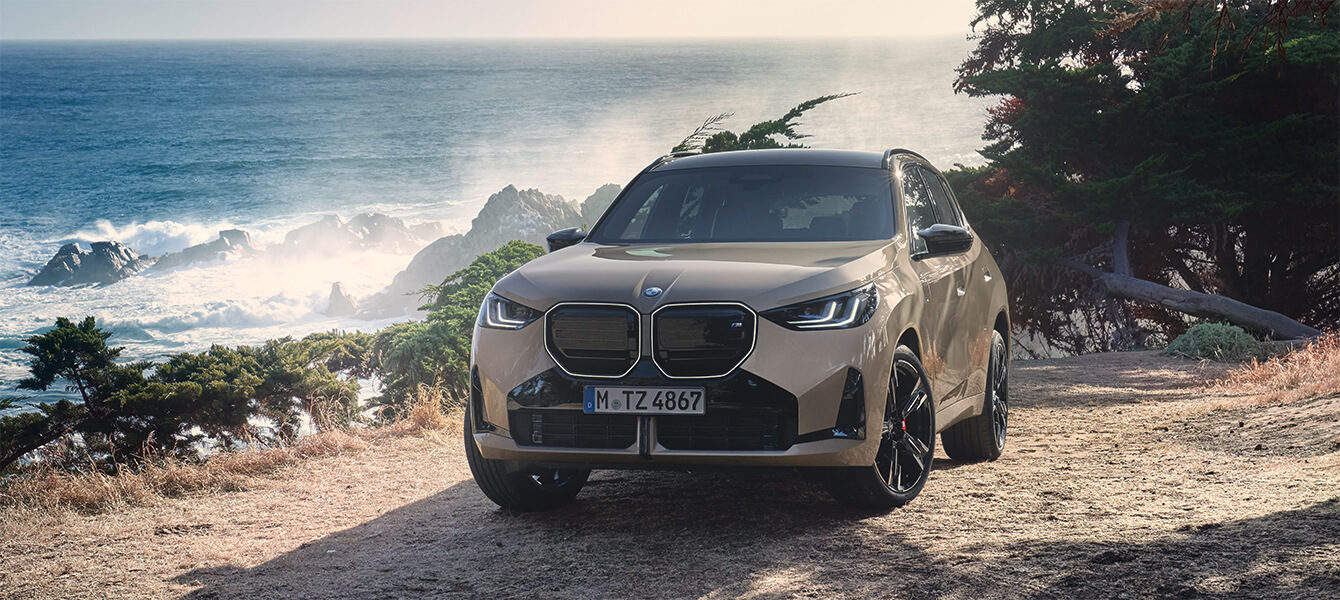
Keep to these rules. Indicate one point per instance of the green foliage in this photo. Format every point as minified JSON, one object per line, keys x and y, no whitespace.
{"x":1215,"y":341}
{"x":777,"y":133}
{"x":184,"y":399}
{"x":436,"y":351}
{"x":1224,"y":167}
{"x":295,"y":381}
{"x":342,"y":352}
{"x":408,"y":355}
{"x":165,"y":408}
{"x":76,"y":353}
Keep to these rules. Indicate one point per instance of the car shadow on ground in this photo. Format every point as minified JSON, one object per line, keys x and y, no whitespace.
{"x":725,"y":535}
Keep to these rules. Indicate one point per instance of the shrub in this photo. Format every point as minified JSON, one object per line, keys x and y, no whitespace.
{"x":1215,"y":341}
{"x":436,"y":352}
{"x":138,"y":408}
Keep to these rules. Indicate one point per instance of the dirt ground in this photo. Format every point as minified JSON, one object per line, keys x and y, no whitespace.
{"x":1119,"y":481}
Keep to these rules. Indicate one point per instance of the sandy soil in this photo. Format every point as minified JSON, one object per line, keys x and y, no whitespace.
{"x":1118,"y":481}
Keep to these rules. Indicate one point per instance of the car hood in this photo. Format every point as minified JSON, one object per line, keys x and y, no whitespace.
{"x":761,"y":275}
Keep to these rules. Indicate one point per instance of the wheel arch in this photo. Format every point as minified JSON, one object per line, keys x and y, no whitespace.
{"x":1002,"y":325}
{"x":912,"y":340}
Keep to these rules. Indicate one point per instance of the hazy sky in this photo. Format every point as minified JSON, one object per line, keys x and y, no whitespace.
{"x":202,"y":19}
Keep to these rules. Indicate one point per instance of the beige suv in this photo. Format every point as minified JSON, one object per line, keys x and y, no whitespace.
{"x":802,"y":308}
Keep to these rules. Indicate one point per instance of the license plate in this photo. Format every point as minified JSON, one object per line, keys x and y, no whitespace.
{"x":645,"y":400}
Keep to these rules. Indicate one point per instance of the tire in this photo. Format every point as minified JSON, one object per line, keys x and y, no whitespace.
{"x":907,"y":444}
{"x":983,"y":436}
{"x":525,"y":489}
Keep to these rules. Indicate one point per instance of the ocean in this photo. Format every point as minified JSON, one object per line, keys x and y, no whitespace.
{"x":160,"y":145}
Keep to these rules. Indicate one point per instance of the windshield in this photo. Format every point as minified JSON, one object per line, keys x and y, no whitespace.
{"x":752,"y":204}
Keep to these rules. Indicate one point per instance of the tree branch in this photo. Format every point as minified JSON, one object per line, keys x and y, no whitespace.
{"x":1260,"y":320}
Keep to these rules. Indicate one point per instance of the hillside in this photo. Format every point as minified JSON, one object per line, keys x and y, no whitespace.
{"x":1125,"y":477}
{"x":511,"y":214}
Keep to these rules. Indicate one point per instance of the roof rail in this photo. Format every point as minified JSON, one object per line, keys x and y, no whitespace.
{"x":669,"y":157}
{"x":890,"y":153}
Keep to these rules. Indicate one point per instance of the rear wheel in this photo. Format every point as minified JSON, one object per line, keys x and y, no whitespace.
{"x":983,"y":436}
{"x":521,"y":487}
{"x":906,"y":445}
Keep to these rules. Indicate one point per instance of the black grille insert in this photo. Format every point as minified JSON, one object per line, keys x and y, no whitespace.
{"x":702,"y":340}
{"x":593,"y":339}
{"x":728,"y":429}
{"x":572,"y":429}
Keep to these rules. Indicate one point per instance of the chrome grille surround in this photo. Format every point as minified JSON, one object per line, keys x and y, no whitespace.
{"x":557,"y":354}
{"x":753,"y":337}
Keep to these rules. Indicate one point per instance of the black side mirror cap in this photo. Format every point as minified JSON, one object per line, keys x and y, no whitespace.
{"x":944,"y":239}
{"x":563,"y":238}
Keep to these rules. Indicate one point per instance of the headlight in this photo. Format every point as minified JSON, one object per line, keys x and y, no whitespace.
{"x":839,"y":311}
{"x":500,"y":313}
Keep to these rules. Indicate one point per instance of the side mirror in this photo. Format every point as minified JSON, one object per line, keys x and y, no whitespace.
{"x":561,"y":239}
{"x":944,"y":239}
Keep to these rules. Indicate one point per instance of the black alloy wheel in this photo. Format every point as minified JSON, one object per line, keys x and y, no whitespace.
{"x":908,"y":433}
{"x":983,"y":436}
{"x":906,"y":444}
{"x":999,"y":389}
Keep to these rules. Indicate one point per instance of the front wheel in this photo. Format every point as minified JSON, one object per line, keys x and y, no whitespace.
{"x":521,"y":488}
{"x":906,"y":443}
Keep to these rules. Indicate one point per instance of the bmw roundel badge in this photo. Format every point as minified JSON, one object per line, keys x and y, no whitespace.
{"x":652,"y":292}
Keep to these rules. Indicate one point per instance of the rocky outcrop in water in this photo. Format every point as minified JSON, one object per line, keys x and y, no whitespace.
{"x":341,"y":304}
{"x":231,"y":242}
{"x":104,"y":263}
{"x":362,"y":232}
{"x":329,"y":233}
{"x":511,"y":214}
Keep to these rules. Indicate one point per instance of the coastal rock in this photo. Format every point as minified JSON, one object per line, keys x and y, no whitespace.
{"x":376,"y":230}
{"x":231,"y":242}
{"x":104,"y":263}
{"x":511,"y":214}
{"x":341,"y":303}
{"x":427,"y":231}
{"x":327,"y":234}
{"x":594,"y":206}
{"x":362,"y":232}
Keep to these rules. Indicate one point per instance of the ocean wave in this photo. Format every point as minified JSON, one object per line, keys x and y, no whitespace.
{"x":156,"y":238}
{"x":151,"y":237}
{"x":232,"y":314}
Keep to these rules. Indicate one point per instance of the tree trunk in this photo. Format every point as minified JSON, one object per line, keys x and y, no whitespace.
{"x":46,"y":431}
{"x":1121,"y":260}
{"x":1259,"y":320}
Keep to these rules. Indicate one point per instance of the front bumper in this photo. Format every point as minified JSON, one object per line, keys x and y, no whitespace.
{"x":800,"y":399}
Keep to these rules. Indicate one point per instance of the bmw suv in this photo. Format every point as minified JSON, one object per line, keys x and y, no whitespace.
{"x":794,"y":308}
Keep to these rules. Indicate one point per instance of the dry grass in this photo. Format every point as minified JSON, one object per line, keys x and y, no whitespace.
{"x":1312,"y":371}
{"x":430,"y":411}
{"x":45,"y":489}
{"x":1110,"y":487}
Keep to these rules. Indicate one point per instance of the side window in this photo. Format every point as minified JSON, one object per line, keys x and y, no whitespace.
{"x":918,"y":204}
{"x":944,"y":202}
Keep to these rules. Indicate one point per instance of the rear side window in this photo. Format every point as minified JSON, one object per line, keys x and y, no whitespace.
{"x":919,"y":205}
{"x":945,"y":209}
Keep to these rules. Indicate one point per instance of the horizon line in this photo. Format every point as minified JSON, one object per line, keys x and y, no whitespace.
{"x":619,"y":38}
